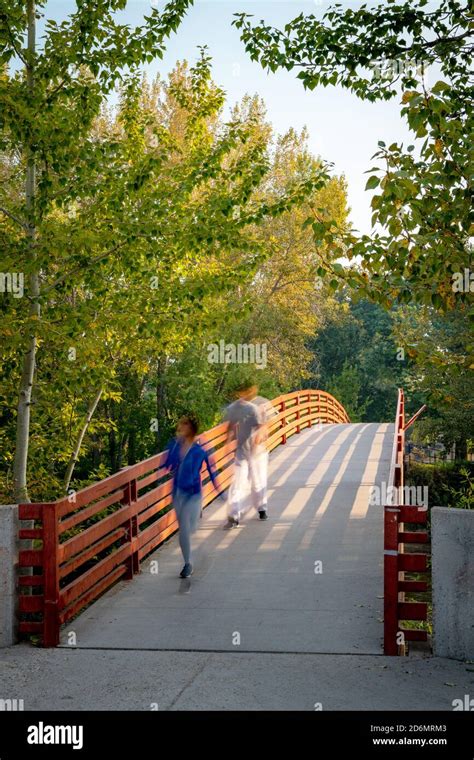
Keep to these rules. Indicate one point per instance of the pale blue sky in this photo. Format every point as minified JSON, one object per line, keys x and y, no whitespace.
{"x":342,"y":129}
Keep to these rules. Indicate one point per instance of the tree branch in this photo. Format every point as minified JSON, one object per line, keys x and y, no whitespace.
{"x":12,"y":39}
{"x":14,"y":218}
{"x":81,"y":268}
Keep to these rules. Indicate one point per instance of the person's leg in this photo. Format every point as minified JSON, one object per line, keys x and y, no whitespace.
{"x":180,"y":503}
{"x":258,"y":466}
{"x":263,"y":466}
{"x":236,"y":488}
{"x":194,"y":508}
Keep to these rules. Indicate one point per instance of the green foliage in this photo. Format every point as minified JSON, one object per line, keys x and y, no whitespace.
{"x":355,"y":359}
{"x":347,"y":388}
{"x":441,"y":360}
{"x":424,"y":204}
{"x":160,"y":227}
{"x":449,"y":484}
{"x":463,"y":497}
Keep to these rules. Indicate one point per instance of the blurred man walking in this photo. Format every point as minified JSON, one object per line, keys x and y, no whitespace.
{"x":248,"y":417}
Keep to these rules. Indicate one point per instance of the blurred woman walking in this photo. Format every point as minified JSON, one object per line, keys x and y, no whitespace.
{"x":184,"y":458}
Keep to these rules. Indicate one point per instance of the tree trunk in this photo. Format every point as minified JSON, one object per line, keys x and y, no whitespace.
{"x":460,"y":450}
{"x":95,"y":453}
{"x":222,"y":379}
{"x":131,"y":447}
{"x":77,"y":448}
{"x":112,"y":451}
{"x":20,"y":463}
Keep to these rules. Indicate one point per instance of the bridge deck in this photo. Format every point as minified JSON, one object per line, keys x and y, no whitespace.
{"x":259,"y":580}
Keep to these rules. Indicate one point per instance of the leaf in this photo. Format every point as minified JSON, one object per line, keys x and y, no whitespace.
{"x":372,"y":183}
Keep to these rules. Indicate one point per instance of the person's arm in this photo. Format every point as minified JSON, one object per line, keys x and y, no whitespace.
{"x":266,"y":412}
{"x":211,"y":468}
{"x":168,"y":463}
{"x":231,"y":428}
{"x":259,"y":434}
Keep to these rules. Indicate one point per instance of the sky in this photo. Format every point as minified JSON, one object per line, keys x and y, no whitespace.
{"x":342,"y":129}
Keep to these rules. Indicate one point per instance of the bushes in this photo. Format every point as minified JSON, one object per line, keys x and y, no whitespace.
{"x":450,"y":484}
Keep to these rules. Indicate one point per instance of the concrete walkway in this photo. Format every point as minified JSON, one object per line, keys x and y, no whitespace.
{"x":67,"y":679}
{"x":307,"y":580}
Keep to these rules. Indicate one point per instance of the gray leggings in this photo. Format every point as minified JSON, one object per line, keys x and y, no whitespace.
{"x":188,"y":509}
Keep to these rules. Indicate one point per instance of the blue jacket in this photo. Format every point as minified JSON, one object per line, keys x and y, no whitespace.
{"x":188,"y":476}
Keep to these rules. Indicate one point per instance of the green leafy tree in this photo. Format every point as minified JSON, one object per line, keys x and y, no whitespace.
{"x":348,"y":389}
{"x":135,"y":246}
{"x":441,"y":353}
{"x":356,"y":341}
{"x":47,"y":106}
{"x":424,"y":204}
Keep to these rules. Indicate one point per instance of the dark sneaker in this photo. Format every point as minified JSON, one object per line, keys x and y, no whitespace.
{"x":233,"y":522}
{"x":186,"y":571}
{"x":263,"y":514}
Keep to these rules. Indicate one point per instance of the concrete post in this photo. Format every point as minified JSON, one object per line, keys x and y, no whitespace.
{"x":452,"y":547}
{"x":9,"y":547}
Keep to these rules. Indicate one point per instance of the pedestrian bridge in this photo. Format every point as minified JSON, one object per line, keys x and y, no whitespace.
{"x":309,"y":579}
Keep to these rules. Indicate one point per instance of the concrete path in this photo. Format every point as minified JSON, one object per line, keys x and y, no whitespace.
{"x":66,"y":679}
{"x":307,"y":580}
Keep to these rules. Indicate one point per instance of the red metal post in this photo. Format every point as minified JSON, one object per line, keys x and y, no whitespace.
{"x":415,"y":417}
{"x":51,"y":574}
{"x":390,"y":580}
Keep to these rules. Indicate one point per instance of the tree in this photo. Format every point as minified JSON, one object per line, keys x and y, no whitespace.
{"x":281,"y":305}
{"x":347,"y":388}
{"x":275,"y":301}
{"x":63,"y":84}
{"x":440,"y":349}
{"x":424,"y":205}
{"x":356,"y":343}
{"x":134,"y":244}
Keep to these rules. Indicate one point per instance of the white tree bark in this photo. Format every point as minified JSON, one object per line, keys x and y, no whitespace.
{"x":77,"y":448}
{"x":20,"y":464}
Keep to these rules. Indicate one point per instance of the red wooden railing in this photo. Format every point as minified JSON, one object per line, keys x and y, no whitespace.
{"x":99,"y":535}
{"x":396,"y":560}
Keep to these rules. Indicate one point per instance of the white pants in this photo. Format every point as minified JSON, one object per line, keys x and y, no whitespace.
{"x":249,"y":469}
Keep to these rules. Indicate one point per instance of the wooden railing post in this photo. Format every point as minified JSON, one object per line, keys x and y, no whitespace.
{"x":310,"y":409}
{"x":50,"y":516}
{"x":283,"y":421}
{"x":298,"y":427}
{"x":130,"y":498}
{"x":320,"y":408}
